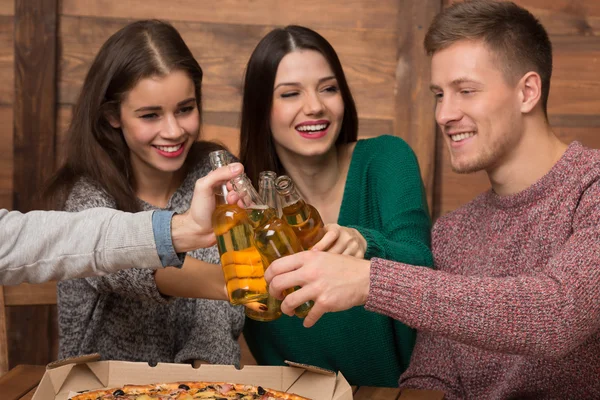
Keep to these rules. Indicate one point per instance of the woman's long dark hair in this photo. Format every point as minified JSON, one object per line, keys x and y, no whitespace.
{"x":257,"y":149}
{"x":95,"y":149}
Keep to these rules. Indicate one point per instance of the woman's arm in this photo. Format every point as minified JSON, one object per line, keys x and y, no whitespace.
{"x":397,"y":199}
{"x":196,"y":279}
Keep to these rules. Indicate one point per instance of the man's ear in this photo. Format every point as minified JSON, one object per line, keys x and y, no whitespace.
{"x":530,"y":87}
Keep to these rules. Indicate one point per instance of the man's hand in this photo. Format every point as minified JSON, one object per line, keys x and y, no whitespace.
{"x":334,"y":282}
{"x":342,"y":240}
{"x":193,"y":229}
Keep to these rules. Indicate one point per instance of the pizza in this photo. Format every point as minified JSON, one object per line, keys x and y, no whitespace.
{"x":188,"y":391}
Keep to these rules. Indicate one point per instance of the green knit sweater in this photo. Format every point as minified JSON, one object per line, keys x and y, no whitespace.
{"x":385,"y":201}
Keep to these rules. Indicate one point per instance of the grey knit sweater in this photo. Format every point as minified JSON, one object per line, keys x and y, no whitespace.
{"x":124,"y":317}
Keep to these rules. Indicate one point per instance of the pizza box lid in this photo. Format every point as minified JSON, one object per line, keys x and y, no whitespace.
{"x":89,"y":372}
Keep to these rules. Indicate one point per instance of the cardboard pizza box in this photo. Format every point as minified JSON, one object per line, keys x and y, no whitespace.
{"x":88,"y":372}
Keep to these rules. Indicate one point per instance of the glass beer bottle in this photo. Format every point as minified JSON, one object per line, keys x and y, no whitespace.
{"x":268,"y":309}
{"x":272,"y":236}
{"x":242,"y":264}
{"x":304,"y":219}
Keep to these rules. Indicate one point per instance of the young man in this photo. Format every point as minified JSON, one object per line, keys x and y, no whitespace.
{"x":44,"y":245}
{"x":513,"y":309}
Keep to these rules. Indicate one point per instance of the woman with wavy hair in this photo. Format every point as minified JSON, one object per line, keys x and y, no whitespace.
{"x":133,"y":146}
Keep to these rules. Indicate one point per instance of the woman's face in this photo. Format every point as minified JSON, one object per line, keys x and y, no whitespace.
{"x":160,"y":121}
{"x":307,"y":111}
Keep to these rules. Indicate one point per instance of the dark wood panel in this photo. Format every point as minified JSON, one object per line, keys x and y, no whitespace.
{"x":369,"y":59}
{"x":6,"y":59}
{"x":359,"y":14}
{"x":32,"y":330}
{"x":63,"y":119}
{"x":414,"y":103}
{"x":575,"y":85}
{"x":588,"y":136}
{"x":3,"y":336}
{"x":375,"y":393}
{"x":6,"y":160}
{"x":563,"y":17}
{"x":34,"y":109}
{"x":33,"y":335}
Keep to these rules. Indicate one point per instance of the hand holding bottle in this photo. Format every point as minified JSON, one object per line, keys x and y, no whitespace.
{"x":342,"y":240}
{"x":334,"y":282}
{"x":193,"y":229}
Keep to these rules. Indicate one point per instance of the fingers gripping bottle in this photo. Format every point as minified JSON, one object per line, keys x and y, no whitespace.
{"x":272,"y":236}
{"x":304,"y":219}
{"x":268,"y":309}
{"x":242,"y":264}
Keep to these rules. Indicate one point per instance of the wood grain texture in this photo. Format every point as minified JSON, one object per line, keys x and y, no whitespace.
{"x":34,"y":109}
{"x":348,"y":14}
{"x":32,"y":330}
{"x":6,"y":59}
{"x":30,"y":294}
{"x":575,"y":84}
{"x":20,"y":380}
{"x":33,"y":334}
{"x":373,"y":393}
{"x":29,"y":395}
{"x":6,"y":160}
{"x":414,"y":103}
{"x":368,"y":58}
{"x":3,"y":335}
{"x":563,"y":17}
{"x":7,"y":7}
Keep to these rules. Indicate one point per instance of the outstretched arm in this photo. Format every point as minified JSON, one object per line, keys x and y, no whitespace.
{"x":560,"y":301}
{"x":52,"y":245}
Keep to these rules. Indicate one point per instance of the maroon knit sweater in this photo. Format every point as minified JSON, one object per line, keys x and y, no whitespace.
{"x":513,"y":309}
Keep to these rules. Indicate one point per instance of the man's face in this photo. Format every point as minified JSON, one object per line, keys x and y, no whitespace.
{"x":477,"y":110}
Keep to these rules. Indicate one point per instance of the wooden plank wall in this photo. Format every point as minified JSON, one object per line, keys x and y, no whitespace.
{"x":7,"y":15}
{"x":379,"y":43}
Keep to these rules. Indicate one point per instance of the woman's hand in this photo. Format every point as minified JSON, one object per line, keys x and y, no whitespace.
{"x":342,"y":240}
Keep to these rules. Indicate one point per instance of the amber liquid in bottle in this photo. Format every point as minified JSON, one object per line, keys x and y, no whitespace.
{"x":273,"y":237}
{"x":304,"y":219}
{"x":242,"y":264}
{"x":268,"y":309}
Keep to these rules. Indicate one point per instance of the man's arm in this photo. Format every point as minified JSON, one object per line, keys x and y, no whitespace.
{"x":543,"y":314}
{"x":51,"y":245}
{"x":46,"y":245}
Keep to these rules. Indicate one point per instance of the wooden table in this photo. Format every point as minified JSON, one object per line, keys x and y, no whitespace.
{"x":20,"y":384}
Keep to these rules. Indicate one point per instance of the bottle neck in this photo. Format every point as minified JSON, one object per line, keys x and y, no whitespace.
{"x":248,"y":195}
{"x":288,"y":194}
{"x":218,"y":159}
{"x":268,"y":194}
